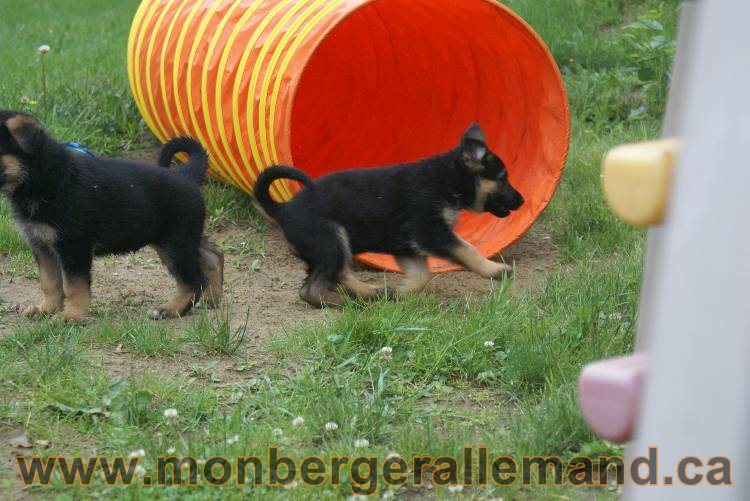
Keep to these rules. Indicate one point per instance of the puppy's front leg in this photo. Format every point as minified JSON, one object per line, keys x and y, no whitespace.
{"x":465,"y":253}
{"x":50,"y":279}
{"x":76,"y":261}
{"x":441,"y":242}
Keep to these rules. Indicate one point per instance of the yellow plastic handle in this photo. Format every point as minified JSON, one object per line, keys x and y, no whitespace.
{"x":637,"y":180}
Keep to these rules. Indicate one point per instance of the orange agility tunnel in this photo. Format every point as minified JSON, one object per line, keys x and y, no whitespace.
{"x":326,"y":85}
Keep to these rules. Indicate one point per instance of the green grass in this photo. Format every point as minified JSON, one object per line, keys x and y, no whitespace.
{"x":138,"y":334}
{"x":18,"y":255}
{"x":215,"y":333}
{"x":501,"y":371}
{"x":228,"y":206}
{"x":88,"y":99}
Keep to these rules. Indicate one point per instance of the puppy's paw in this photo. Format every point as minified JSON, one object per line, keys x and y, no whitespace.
{"x":36,"y":312}
{"x":209,"y":302}
{"x":73,"y":315}
{"x":497,"y":270}
{"x":164,"y":312}
{"x":32,"y":312}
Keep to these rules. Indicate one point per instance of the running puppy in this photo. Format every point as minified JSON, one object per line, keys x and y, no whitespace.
{"x":70,"y":207}
{"x":406,"y":210}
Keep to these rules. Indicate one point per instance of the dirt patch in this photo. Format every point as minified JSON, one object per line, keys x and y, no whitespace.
{"x":265,"y":286}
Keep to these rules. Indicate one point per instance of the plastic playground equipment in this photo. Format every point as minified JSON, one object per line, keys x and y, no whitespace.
{"x":684,"y":391}
{"x":332,"y":84}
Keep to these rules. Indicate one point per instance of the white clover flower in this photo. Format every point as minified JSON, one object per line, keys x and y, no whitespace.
{"x":298,"y":421}
{"x":331,"y":426}
{"x":171,"y":450}
{"x":170,"y":413}
{"x":386,"y":352}
{"x":489,"y":344}
{"x":387,"y":495}
{"x":277,"y":432}
{"x":138,"y":453}
{"x":42,"y":49}
{"x":140,"y":470}
{"x":233,"y":439}
{"x":361,"y":442}
{"x":455,"y":489}
{"x":292,"y":485}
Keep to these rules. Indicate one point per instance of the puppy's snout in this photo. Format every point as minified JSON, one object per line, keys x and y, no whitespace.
{"x":512,"y":198}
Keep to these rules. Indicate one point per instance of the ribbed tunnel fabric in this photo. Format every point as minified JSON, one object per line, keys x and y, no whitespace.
{"x":332,"y":84}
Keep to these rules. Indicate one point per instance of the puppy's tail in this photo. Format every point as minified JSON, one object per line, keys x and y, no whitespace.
{"x":267,"y":177}
{"x":196,"y":166}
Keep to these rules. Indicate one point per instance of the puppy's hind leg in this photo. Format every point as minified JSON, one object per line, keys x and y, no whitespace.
{"x":212,"y":266}
{"x":319,"y":291}
{"x":185,"y":266}
{"x":416,"y":272}
{"x":325,"y":250}
{"x":354,"y":287}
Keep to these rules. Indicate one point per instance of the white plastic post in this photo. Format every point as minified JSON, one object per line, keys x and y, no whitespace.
{"x":696,"y":325}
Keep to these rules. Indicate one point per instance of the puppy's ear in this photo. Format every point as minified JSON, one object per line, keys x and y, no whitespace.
{"x":474,"y":148}
{"x":475,"y":132}
{"x":25,"y":131}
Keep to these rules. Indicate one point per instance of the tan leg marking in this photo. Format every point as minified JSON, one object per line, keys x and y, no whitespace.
{"x":347,"y":280}
{"x":78,"y":296}
{"x":356,"y":287}
{"x":468,"y":256}
{"x":212,"y":265}
{"x":177,"y":305}
{"x":417,"y":275}
{"x":319,"y":294}
{"x":51,"y":282}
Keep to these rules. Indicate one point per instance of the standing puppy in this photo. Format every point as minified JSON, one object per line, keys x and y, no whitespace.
{"x":70,"y":207}
{"x":406,"y":210}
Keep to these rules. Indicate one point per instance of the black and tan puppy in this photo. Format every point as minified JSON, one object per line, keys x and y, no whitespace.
{"x":70,"y":207}
{"x":406,"y":210}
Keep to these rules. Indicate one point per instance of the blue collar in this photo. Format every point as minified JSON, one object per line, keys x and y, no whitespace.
{"x":79,"y":148}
